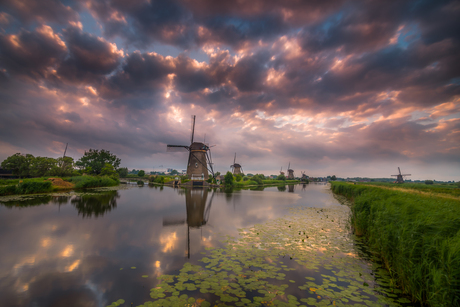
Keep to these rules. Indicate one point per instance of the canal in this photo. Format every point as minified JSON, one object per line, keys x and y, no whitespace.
{"x":288,"y":246}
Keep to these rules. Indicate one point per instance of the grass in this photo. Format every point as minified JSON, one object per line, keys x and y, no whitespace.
{"x":417,"y":236}
{"x":84,"y":182}
{"x":453,"y":190}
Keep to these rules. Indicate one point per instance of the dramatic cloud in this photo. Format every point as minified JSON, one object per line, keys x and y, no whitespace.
{"x":339,"y":87}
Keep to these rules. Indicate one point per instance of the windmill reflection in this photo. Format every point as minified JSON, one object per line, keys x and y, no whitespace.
{"x":95,"y":205}
{"x":198,"y":210}
{"x":291,"y":188}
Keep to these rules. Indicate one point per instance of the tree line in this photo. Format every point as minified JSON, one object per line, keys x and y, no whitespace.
{"x":93,"y":162}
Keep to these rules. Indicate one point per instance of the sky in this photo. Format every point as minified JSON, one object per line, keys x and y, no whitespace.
{"x":345,"y":88}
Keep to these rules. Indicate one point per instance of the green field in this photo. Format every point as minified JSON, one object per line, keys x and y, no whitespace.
{"x":416,"y":235}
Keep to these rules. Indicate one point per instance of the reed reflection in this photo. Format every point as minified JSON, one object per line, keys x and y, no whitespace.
{"x":95,"y":205}
{"x":198,"y":209}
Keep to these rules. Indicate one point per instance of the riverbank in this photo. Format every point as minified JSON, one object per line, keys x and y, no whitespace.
{"x":417,"y":236}
{"x":53,"y":184}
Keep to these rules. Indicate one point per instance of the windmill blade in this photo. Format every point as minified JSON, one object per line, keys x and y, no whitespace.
{"x":234,"y":159}
{"x":168,"y":221}
{"x":177,"y":148}
{"x":289,"y":166}
{"x":242,"y":170}
{"x":406,"y":175}
{"x":193,"y":128}
{"x":65,"y":149}
{"x":399,"y":170}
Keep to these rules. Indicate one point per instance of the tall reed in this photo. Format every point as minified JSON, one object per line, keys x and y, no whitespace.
{"x":417,"y":236}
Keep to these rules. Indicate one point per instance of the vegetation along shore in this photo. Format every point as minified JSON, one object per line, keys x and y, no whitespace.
{"x":417,"y":235}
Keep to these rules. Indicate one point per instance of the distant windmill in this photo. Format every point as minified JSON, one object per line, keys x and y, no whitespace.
{"x":304,"y":177}
{"x":399,"y":177}
{"x":236,"y":168}
{"x":198,"y":158}
{"x":281,"y":171}
{"x":290,"y":172}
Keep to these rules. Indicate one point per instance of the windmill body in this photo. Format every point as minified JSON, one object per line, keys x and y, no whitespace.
{"x":197,"y":162}
{"x":236,"y":167}
{"x":290,"y":172}
{"x":400,"y":177}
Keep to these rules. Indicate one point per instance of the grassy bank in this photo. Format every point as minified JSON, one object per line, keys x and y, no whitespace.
{"x":417,"y":237}
{"x":84,"y":182}
{"x":46,"y":185}
{"x":451,"y":189}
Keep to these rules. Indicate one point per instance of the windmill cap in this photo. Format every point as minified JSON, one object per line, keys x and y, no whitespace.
{"x":198,"y":146}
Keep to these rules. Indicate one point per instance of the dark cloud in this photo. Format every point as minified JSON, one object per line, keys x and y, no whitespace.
{"x":31,"y":53}
{"x":89,"y":56}
{"x":42,"y":11}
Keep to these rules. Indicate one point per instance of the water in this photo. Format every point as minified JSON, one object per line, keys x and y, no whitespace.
{"x":95,"y":249}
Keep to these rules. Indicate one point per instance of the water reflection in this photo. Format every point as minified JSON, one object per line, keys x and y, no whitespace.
{"x":197,"y":208}
{"x":281,"y":188}
{"x":291,"y":188}
{"x":95,"y":205}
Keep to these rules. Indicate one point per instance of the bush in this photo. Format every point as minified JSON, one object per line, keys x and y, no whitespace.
{"x":238,"y":178}
{"x":8,"y":190}
{"x":84,"y":182}
{"x":33,"y":187}
{"x":429,"y":182}
{"x":228,"y":179}
{"x":245,"y":178}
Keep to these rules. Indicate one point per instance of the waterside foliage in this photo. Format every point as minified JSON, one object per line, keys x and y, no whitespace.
{"x":417,"y":236}
{"x":84,"y":182}
{"x":44,"y":185}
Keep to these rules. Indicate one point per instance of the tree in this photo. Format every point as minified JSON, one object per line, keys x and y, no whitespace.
{"x":141,"y":173}
{"x":96,"y":160}
{"x":217,"y":174}
{"x":281,"y":177}
{"x":228,"y":178}
{"x":109,"y":170}
{"x":429,"y":182}
{"x":19,"y":164}
{"x":41,"y":166}
{"x":238,"y":177}
{"x":122,"y":172}
{"x":174,"y":172}
{"x":333,"y":178}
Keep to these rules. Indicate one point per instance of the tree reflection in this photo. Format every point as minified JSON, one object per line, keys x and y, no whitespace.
{"x":95,"y":205}
{"x":34,"y":201}
{"x":281,"y":188}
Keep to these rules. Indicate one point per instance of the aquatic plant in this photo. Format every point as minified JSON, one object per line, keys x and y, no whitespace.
{"x":417,"y":236}
{"x":253,"y":269}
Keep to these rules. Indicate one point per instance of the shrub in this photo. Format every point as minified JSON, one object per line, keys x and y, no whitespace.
{"x":84,"y":182}
{"x":245,"y":178}
{"x":429,"y":182}
{"x":7,"y":190}
{"x":228,"y":179}
{"x":33,"y":187}
{"x":238,"y":178}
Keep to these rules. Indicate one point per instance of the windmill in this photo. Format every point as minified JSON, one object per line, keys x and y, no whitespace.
{"x":290,"y":172}
{"x":197,"y":212}
{"x":198,"y":158}
{"x":304,"y":177}
{"x":281,"y":171}
{"x":236,"y":168}
{"x":399,"y":177}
